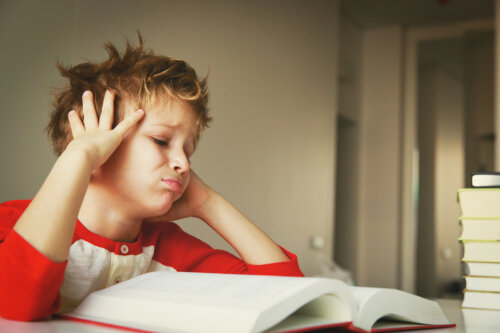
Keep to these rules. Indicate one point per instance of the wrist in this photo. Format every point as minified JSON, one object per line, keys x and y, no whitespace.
{"x":80,"y":156}
{"x":208,"y":208}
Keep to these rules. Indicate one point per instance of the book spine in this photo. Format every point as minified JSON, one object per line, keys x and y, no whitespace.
{"x":91,"y":322}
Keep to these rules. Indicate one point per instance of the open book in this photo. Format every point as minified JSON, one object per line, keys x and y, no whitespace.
{"x":204,"y":302}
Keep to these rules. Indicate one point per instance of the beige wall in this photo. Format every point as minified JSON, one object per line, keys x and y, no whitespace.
{"x":442,"y":167}
{"x":350,"y":54}
{"x":426,"y":278}
{"x":379,"y":212}
{"x":346,"y":236}
{"x":479,"y":98}
{"x":273,"y":81}
{"x":441,"y":143}
{"x":450,"y":168}
{"x":32,"y":34}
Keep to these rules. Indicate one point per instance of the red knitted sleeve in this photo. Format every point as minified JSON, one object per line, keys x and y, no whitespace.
{"x":185,"y":252}
{"x":29,"y":281}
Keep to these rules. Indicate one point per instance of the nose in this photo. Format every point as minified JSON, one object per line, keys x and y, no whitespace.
{"x":179,"y":162}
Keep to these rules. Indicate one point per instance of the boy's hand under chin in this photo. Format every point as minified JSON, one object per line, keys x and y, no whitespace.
{"x":194,"y":202}
{"x":201,"y":201}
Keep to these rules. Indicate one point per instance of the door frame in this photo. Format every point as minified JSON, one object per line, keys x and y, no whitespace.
{"x":410,"y":163}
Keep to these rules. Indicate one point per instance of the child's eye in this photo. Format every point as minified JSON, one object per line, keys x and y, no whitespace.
{"x":160,"y":142}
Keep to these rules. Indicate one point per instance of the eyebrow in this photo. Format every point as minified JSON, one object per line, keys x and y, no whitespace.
{"x":164,"y":125}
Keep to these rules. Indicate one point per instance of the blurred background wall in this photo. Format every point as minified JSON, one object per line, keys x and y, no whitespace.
{"x":318,"y":137}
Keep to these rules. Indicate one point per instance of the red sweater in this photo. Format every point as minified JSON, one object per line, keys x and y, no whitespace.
{"x":33,"y":286}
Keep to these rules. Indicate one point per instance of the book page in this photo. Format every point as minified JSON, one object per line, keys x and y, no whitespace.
{"x":205,"y":302}
{"x":228,"y":290}
{"x":395,"y":305}
{"x":328,"y":310}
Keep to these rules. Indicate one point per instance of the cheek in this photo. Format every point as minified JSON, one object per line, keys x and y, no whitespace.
{"x":133,"y":162}
{"x":144,"y":156}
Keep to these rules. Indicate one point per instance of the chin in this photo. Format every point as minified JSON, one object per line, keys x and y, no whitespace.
{"x":159,"y":207}
{"x":177,"y":197}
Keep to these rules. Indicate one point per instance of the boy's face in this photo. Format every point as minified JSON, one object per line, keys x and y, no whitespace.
{"x":150,"y":169}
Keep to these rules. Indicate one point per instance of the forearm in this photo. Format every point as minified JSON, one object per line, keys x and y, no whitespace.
{"x":48,"y":223}
{"x":251,"y":243}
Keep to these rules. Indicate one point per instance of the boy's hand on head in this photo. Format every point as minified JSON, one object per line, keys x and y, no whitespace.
{"x":193,"y":203}
{"x":96,"y":137}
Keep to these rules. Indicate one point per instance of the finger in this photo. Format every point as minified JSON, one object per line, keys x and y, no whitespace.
{"x":106,"y":119}
{"x":89,"y":114}
{"x":75,"y":123}
{"x":130,"y":121}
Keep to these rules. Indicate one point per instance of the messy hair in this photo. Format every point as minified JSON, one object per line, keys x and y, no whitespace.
{"x":138,"y":76}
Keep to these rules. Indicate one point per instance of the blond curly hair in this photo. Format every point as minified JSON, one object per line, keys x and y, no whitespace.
{"x":138,"y":76}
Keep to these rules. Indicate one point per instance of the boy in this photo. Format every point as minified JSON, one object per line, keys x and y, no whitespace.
{"x":123,"y":172}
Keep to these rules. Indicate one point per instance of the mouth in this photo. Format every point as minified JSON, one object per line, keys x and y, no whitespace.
{"x":173,"y":184}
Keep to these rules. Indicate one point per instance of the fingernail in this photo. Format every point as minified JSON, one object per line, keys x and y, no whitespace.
{"x":140,"y":110}
{"x":86,"y":93}
{"x":71,"y":112}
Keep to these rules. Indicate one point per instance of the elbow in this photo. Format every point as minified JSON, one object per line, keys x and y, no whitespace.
{"x":21,"y":308}
{"x":23,"y":315}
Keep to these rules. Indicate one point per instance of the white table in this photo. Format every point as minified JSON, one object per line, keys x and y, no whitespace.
{"x":469,"y":321}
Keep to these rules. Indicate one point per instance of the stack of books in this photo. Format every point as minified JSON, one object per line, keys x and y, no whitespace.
{"x":480,"y":237}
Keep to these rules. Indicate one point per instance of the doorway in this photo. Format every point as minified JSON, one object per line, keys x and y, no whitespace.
{"x":454,"y":138}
